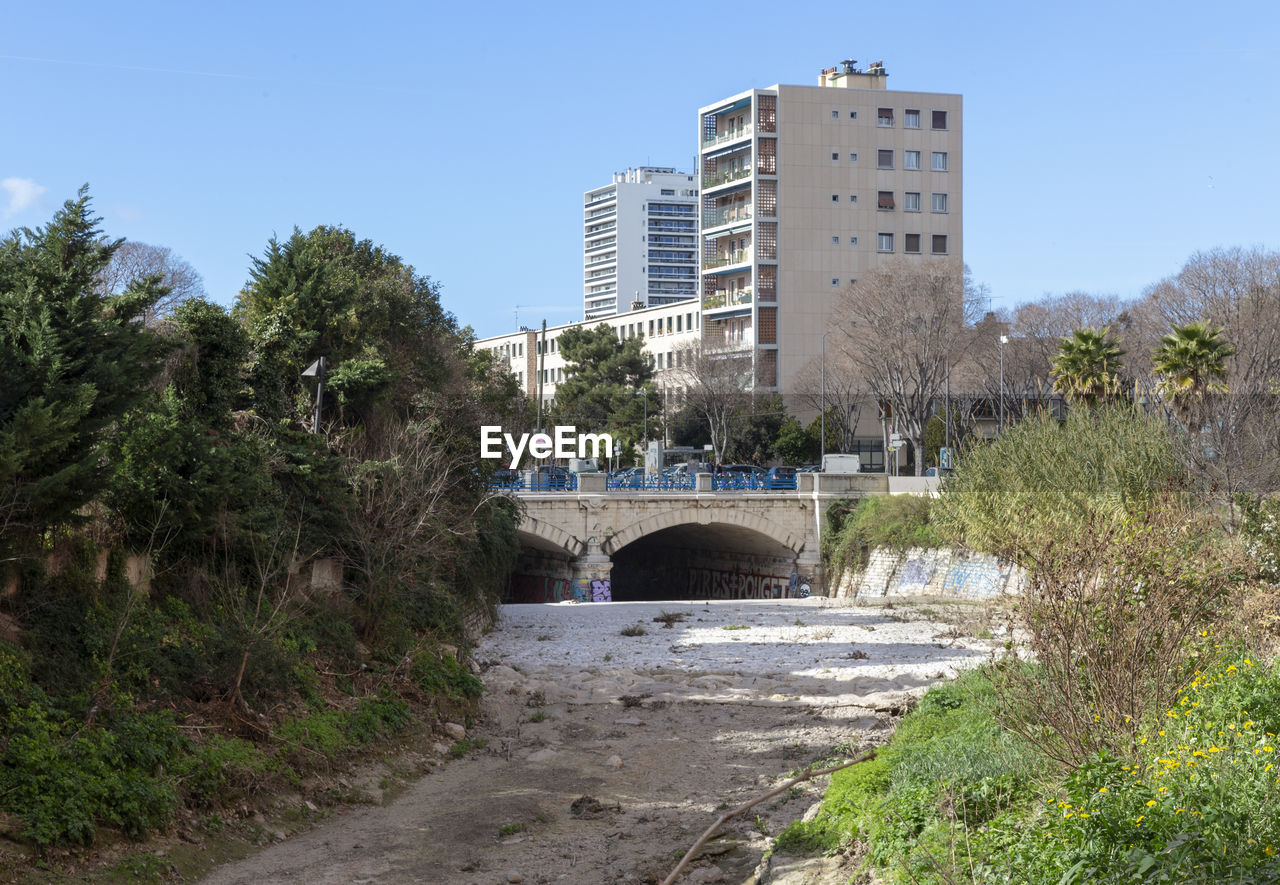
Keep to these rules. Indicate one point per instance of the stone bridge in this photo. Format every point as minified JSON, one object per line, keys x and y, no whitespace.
{"x":594,"y":544}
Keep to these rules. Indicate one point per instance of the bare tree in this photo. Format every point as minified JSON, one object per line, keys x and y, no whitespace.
{"x":901,"y":326}
{"x":838,"y":380}
{"x":134,"y":261}
{"x":714,"y":382}
{"x":412,"y":502}
{"x":1238,"y":446}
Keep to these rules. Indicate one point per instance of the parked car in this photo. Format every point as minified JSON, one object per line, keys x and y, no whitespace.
{"x":551,"y":478}
{"x":780,"y":478}
{"x":809,"y":468}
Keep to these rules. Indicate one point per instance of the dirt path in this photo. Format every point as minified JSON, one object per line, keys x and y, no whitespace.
{"x":605,"y":754}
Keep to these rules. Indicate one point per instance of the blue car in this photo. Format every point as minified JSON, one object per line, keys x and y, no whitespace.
{"x":780,"y":478}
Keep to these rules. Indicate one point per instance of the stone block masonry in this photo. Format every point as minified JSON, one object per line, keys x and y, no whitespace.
{"x":932,"y":572}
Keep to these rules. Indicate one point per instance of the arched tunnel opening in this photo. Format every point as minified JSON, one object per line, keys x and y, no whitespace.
{"x":696,"y":561}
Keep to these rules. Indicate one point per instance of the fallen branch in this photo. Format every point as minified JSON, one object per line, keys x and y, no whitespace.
{"x":807,"y":774}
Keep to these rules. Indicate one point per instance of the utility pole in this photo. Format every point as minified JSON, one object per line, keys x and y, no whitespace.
{"x":822,"y":402}
{"x":542,"y":370}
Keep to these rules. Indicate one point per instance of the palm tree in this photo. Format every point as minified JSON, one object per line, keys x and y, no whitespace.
{"x":1087,"y":365}
{"x":1191,"y":363}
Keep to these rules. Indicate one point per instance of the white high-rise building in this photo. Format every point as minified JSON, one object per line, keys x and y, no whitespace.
{"x":640,"y":241}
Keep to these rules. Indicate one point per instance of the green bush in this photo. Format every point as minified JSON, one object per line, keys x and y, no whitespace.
{"x":330,"y":733}
{"x":899,"y":522}
{"x":1043,"y":477}
{"x":220,"y":770}
{"x":442,"y":674}
{"x":63,"y":779}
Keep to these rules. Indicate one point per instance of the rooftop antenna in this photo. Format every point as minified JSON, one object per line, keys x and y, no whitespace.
{"x":517,"y":313}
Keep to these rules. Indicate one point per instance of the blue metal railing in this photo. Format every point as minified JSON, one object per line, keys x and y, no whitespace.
{"x":537,"y":482}
{"x":654,"y":482}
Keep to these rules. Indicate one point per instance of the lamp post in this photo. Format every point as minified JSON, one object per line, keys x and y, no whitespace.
{"x":316,"y":371}
{"x":822,"y":402}
{"x":645,"y":393}
{"x":1004,"y":339}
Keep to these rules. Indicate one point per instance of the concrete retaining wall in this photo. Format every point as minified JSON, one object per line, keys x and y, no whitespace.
{"x":928,"y":572}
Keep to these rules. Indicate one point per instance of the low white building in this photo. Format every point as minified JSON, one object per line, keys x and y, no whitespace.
{"x":666,"y":330}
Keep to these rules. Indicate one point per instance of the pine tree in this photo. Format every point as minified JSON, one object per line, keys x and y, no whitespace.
{"x":73,"y":361}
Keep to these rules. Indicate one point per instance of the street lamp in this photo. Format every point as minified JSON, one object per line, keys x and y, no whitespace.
{"x":645,"y":393}
{"x":822,"y":401}
{"x":316,"y":371}
{"x":1004,"y":339}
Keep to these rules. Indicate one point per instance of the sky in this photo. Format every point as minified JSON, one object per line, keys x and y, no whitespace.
{"x":1105,"y":143}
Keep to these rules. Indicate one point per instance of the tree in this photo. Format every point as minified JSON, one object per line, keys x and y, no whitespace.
{"x":714,"y":382}
{"x":608,"y":386}
{"x":133,"y":261}
{"x":1191,"y":363}
{"x":795,"y":443}
{"x":378,"y":323}
{"x":903,"y":325}
{"x":1087,"y":366}
{"x":72,"y":360}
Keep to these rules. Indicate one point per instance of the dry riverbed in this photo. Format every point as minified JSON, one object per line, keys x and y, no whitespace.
{"x":601,"y":756}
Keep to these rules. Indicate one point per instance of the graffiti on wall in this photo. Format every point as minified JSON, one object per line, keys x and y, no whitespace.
{"x":975,"y":579}
{"x":536,"y":588}
{"x":601,"y":590}
{"x":916,"y":575}
{"x":720,"y":584}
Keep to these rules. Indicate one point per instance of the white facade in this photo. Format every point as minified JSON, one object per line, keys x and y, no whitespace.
{"x":640,"y":241}
{"x":666,"y":331}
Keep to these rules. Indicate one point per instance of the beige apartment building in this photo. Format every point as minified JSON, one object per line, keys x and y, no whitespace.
{"x":804,"y":188}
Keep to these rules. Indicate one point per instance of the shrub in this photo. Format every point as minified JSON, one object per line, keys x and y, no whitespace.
{"x":220,"y":770}
{"x":899,"y":522}
{"x":439,"y":673}
{"x":1043,"y":477}
{"x":1114,"y":615}
{"x":62,"y":780}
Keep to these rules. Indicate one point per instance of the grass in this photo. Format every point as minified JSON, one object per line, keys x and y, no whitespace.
{"x":634,"y":630}
{"x":735,"y":627}
{"x":953,"y":798}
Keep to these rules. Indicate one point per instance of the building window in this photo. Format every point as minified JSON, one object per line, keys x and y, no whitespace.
{"x":835,"y":282}
{"x":835,"y":155}
{"x":884,"y":159}
{"x":910,"y":202}
{"x":939,"y":203}
{"x":911,"y":243}
{"x":668,"y":192}
{"x":939,"y":161}
{"x":650,"y":328}
{"x":910,"y":119}
{"x":521,"y":346}
{"x":835,"y":115}
{"x":884,"y":116}
{"x":939,"y":244}
{"x":911,"y":160}
{"x":884,"y":242}
{"x":853,"y":158}
{"x":939,"y":119}
{"x":679,"y":323}
{"x":853,"y":241}
{"x":853,"y":198}
{"x":835,"y":198}
{"x":885,"y":201}
{"x":853,"y":115}
{"x":835,"y":241}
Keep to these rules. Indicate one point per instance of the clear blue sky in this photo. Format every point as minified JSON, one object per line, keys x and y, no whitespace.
{"x":1104,"y":143}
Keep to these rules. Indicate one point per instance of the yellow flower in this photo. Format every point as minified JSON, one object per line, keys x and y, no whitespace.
{"x":1102,"y":789}
{"x":1150,"y":802}
{"x":1139,"y":820}
{"x":1084,"y":814}
{"x":1270,"y":850}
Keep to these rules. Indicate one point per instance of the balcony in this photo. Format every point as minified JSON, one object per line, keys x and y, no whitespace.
{"x":674,"y":212}
{"x":718,"y":178}
{"x":736,"y":256}
{"x":726,"y":298}
{"x":727,"y":137}
{"x":727,"y":215}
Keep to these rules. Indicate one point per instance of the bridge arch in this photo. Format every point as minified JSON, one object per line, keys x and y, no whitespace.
{"x":702,"y":516}
{"x":546,"y":535}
